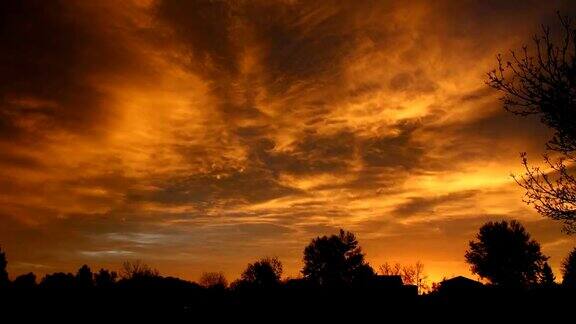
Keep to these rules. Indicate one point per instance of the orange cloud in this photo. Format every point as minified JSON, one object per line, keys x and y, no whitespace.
{"x":202,"y":135}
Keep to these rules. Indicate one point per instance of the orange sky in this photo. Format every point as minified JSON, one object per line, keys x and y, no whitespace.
{"x":202,"y":135}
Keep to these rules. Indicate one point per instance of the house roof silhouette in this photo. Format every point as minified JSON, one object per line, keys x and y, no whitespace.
{"x":460,"y":283}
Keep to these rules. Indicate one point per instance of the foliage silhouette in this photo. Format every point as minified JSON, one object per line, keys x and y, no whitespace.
{"x":105,"y":278}
{"x":546,"y":277}
{"x":336,"y":260}
{"x":505,"y":254}
{"x":58,"y":280}
{"x":262,"y":274}
{"x":542,"y":82}
{"x":85,"y":277}
{"x":25,"y":281}
{"x":569,"y":270}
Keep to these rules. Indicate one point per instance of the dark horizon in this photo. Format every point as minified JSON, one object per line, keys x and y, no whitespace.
{"x":200,"y":136}
{"x":337,"y":284}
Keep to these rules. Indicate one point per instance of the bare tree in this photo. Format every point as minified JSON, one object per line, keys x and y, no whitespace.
{"x":552,"y":192}
{"x":213,"y":280}
{"x":421,"y":277}
{"x":542,"y":82}
{"x":410,"y":274}
{"x":390,"y":270}
{"x":137,"y":269}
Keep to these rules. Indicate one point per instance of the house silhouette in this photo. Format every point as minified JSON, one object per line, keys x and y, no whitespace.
{"x":459,"y":285}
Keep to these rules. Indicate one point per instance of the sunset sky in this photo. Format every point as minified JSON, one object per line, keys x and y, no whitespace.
{"x":202,"y":135}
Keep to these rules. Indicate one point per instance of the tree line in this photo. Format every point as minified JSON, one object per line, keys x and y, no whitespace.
{"x":503,"y":254}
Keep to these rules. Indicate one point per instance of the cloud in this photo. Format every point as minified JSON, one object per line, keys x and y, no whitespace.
{"x":199,"y":135}
{"x":52,"y":58}
{"x":422,"y":205}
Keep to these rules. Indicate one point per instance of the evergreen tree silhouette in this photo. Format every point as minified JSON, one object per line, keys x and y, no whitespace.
{"x":4,"y":281}
{"x":547,"y":278}
{"x":569,"y":270}
{"x":85,"y":277}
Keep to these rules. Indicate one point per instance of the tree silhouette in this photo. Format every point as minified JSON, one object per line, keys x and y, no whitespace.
{"x":505,"y":254}
{"x":85,"y":277}
{"x":388,"y":269}
{"x":25,"y":281}
{"x":336,"y":260}
{"x":542,"y":82}
{"x":546,"y":278}
{"x":4,"y":281}
{"x":137,"y":270}
{"x":58,"y":280}
{"x":410,"y":274}
{"x":105,"y":278}
{"x":214,"y":280}
{"x":264,"y":273}
{"x":415,"y":275}
{"x":569,"y":270}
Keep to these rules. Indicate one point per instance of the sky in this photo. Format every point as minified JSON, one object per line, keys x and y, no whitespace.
{"x":202,"y":135}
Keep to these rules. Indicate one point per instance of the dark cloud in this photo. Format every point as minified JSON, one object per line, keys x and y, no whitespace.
{"x":417,"y":206}
{"x":205,"y":27}
{"x":499,"y":131}
{"x":49,"y":53}
{"x":313,"y":154}
{"x":251,"y":185}
{"x":415,"y":82}
{"x":302,"y":41}
{"x":299,"y":41}
{"x":394,"y":151}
